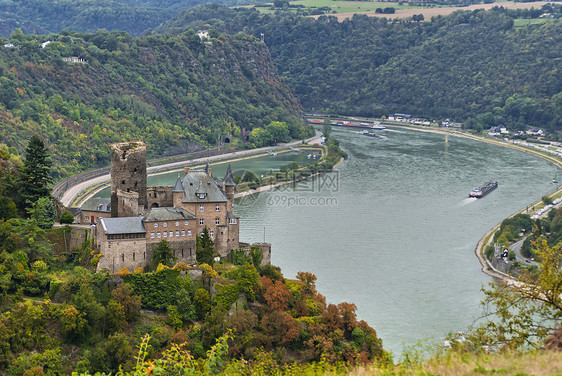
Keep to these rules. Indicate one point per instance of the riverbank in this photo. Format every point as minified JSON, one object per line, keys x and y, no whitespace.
{"x":487,"y":267}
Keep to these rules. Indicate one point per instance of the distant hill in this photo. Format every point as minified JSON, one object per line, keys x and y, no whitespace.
{"x":471,"y":65}
{"x":81,"y":92}
{"x":133,"y":16}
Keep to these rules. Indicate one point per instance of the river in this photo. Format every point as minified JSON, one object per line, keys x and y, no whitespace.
{"x":393,"y":230}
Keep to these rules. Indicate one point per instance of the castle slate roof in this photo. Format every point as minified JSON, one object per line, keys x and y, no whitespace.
{"x":124,"y":225}
{"x":200,"y":182}
{"x":178,"y":186}
{"x":228,"y":179}
{"x":168,"y":214}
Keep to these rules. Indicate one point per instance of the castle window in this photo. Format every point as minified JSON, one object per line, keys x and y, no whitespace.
{"x":177,"y":223}
{"x":212,"y":234}
{"x":187,"y":223}
{"x":182,"y":253}
{"x":232,"y":221}
{"x":217,"y":221}
{"x":144,"y":255}
{"x":165,"y":234}
{"x":87,"y":218}
{"x":188,"y":232}
{"x":165,"y":224}
{"x":133,"y":256}
{"x":135,"y":184}
{"x":182,"y":232}
{"x":217,"y":208}
{"x":122,"y":257}
{"x":171,"y":235}
{"x":155,"y":224}
{"x":201,"y":221}
{"x":122,"y":181}
{"x":201,"y":208}
{"x":178,"y":233}
{"x":158,"y":235}
{"x":201,"y":195}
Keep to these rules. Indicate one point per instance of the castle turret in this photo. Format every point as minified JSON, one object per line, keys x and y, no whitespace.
{"x":128,"y":174}
{"x":228,"y":187}
{"x":177,"y":192}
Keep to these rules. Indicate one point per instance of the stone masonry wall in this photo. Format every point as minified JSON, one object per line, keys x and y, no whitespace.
{"x":128,"y":172}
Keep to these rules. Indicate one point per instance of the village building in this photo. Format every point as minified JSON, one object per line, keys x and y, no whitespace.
{"x":143,"y":216}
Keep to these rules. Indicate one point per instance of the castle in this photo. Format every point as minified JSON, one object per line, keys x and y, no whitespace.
{"x":143,"y":216}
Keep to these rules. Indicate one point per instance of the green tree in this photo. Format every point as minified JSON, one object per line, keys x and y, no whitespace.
{"x":66,"y":217}
{"x":202,"y":300}
{"x":525,"y":313}
{"x":32,"y":236}
{"x":257,"y":256}
{"x":327,"y":129}
{"x":124,"y":295}
{"x":186,"y":309}
{"x":163,"y":254}
{"x":205,"y":248}
{"x":7,"y":208}
{"x":36,"y":172}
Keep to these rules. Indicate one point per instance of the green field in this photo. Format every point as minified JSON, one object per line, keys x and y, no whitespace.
{"x":343,"y":6}
{"x":524,"y":22}
{"x":339,"y":6}
{"x":348,"y":6}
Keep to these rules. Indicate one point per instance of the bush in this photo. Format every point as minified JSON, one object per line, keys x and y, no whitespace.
{"x":66,"y":218}
{"x":547,"y":200}
{"x":489,"y":252}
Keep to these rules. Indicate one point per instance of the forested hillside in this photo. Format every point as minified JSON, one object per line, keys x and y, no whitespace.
{"x":469,"y":65}
{"x":133,"y":16}
{"x":173,"y":92}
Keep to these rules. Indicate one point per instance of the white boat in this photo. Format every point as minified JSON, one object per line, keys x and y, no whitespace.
{"x":377,"y":125}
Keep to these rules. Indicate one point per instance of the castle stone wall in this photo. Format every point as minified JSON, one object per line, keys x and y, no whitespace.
{"x":128,"y":172}
{"x":159,"y":197}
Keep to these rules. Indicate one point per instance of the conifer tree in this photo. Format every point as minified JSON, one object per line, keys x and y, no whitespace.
{"x":36,"y":172}
{"x":163,"y":254}
{"x":205,"y":248}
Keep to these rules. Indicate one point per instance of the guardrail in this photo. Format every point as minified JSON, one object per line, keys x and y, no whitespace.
{"x":61,"y":187}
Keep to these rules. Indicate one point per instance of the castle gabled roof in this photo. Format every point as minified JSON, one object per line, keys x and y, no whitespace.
{"x":199,"y":186}
{"x":228,"y":179}
{"x":123,"y":225}
{"x":168,"y":214}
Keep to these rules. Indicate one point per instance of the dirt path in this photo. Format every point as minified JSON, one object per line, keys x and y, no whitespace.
{"x":431,"y":12}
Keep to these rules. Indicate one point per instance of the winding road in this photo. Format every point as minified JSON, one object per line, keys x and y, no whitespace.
{"x":72,"y":192}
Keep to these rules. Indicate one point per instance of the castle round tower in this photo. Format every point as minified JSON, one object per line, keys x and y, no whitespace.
{"x":128,"y":174}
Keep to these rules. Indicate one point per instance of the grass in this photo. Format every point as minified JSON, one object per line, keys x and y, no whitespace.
{"x":519,"y":22}
{"x":539,"y":363}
